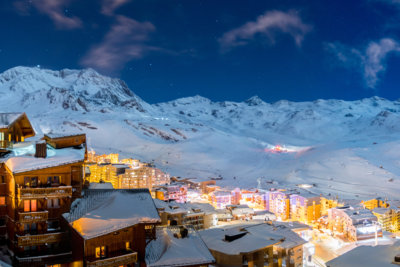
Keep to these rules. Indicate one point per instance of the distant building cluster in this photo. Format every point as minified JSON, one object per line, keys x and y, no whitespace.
{"x":123,"y":174}
{"x":296,"y":204}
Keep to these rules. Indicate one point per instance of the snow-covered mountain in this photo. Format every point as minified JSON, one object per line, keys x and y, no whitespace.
{"x":342,"y":147}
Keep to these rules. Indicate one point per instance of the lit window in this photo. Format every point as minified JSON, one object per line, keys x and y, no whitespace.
{"x":2,"y":200}
{"x":33,"y":205}
{"x":128,"y":245}
{"x":101,"y":252}
{"x":27,"y":206}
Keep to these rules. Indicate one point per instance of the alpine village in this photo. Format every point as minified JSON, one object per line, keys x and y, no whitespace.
{"x":62,"y":205}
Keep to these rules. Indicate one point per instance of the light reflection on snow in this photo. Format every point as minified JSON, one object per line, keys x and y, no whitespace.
{"x":285,"y":149}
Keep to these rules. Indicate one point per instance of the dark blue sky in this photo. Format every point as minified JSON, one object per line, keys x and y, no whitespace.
{"x":223,"y":50}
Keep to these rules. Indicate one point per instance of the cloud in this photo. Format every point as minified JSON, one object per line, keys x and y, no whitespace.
{"x":268,"y":24}
{"x":370,"y":62}
{"x":54,"y":9}
{"x":109,"y":6}
{"x":126,"y":40}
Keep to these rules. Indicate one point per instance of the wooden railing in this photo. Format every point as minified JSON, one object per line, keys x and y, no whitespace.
{"x":44,"y":192}
{"x":35,"y":240}
{"x":33,"y":217}
{"x":126,"y":257}
{"x":5,"y":144}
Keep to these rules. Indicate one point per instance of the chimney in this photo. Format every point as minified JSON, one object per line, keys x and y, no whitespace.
{"x":397,"y":259}
{"x":41,"y":149}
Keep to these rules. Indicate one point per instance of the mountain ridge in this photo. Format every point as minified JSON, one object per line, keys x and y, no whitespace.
{"x":196,"y":137}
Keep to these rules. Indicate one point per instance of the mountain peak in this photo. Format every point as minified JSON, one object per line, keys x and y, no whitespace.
{"x":254,"y":101}
{"x":84,"y":89}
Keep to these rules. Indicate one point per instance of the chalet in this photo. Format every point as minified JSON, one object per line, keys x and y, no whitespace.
{"x":174,"y":191}
{"x":14,"y":127}
{"x":38,"y":183}
{"x":236,"y":246}
{"x":260,"y":244}
{"x":178,"y":246}
{"x":355,"y":223}
{"x":382,"y":256}
{"x":199,"y":215}
{"x":112,"y":227}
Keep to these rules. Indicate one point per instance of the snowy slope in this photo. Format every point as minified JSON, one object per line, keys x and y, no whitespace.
{"x":345,"y":148}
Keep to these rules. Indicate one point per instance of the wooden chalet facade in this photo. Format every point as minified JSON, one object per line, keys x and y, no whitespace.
{"x":14,"y":127}
{"x":105,"y":233}
{"x":38,"y":184}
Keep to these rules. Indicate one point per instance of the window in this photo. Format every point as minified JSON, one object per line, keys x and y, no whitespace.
{"x":31,"y":181}
{"x":53,"y":180}
{"x":30,"y":205}
{"x":101,"y":252}
{"x":2,"y":200}
{"x":53,"y":203}
{"x":128,"y":245}
{"x":3,"y":179}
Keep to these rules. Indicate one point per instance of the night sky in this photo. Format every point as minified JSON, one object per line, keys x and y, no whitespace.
{"x":224,"y":50}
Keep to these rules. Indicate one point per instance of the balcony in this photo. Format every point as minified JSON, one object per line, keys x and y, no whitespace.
{"x":35,"y":240}
{"x":33,"y":259}
{"x":33,"y":217}
{"x":121,"y":258}
{"x":44,"y":192}
{"x":4,"y":144}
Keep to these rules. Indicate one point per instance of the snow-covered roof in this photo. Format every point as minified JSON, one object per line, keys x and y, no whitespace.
{"x":291,"y":239}
{"x":168,"y":250}
{"x":174,"y":207}
{"x":62,"y":135}
{"x":295,"y":226}
{"x":360,"y":215}
{"x":102,"y":211}
{"x":251,"y":241}
{"x":100,"y":186}
{"x":361,"y":256}
{"x":22,"y":158}
{"x":7,"y":119}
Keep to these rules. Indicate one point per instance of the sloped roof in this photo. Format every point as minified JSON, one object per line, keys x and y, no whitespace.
{"x":168,"y":250}
{"x":103,"y":211}
{"x":22,"y":158}
{"x":9,"y":119}
{"x":361,"y":256}
{"x":249,"y":242}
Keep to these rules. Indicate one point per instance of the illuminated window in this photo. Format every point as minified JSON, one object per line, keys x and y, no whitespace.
{"x":33,"y":205}
{"x":30,"y":205}
{"x":101,"y":252}
{"x":2,"y":200}
{"x":128,"y":245}
{"x":27,"y":205}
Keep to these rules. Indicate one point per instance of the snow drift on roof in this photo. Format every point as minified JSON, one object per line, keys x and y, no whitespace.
{"x":22,"y":158}
{"x":361,"y":256}
{"x":6,"y":119}
{"x":103,"y":211}
{"x":168,"y":250}
{"x":61,"y":135}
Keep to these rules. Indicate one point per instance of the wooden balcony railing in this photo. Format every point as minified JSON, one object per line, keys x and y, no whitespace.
{"x":125,"y":257}
{"x":6,"y":144}
{"x":35,"y":240}
{"x":44,"y":192}
{"x":40,"y":260}
{"x":33,"y":217}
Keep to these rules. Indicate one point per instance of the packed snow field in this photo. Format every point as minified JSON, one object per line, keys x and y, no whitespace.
{"x":350,"y":149}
